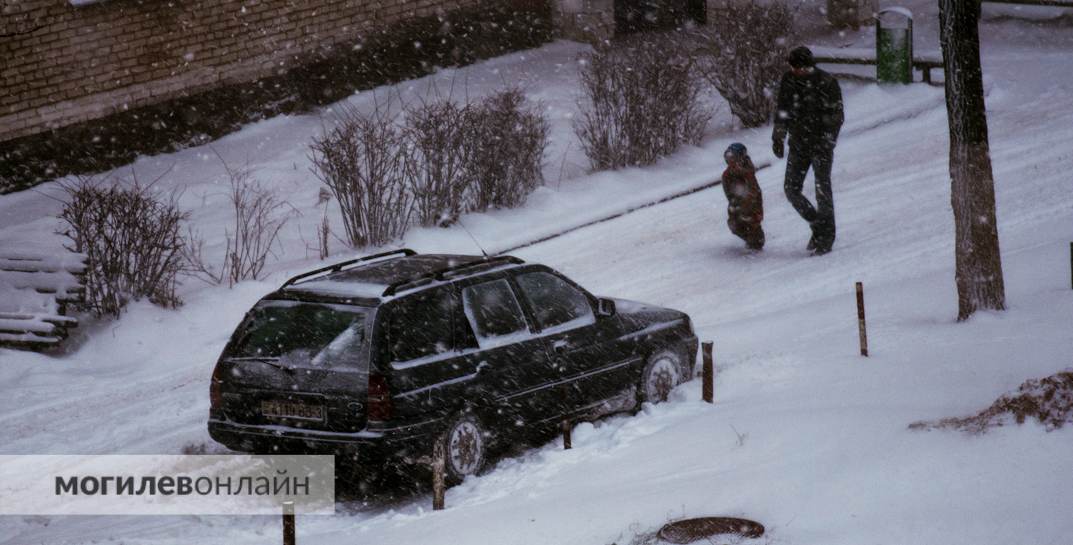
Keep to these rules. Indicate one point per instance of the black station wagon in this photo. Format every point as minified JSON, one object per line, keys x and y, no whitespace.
{"x":377,"y":359}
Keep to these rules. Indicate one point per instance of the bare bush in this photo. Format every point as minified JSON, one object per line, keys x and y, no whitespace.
{"x":438,"y":181}
{"x":324,"y":231}
{"x":641,"y":101}
{"x":505,"y":146}
{"x":1049,"y":401}
{"x":258,"y":219}
{"x":443,"y":160}
{"x":133,"y":241}
{"x":364,"y":162}
{"x":743,"y":55}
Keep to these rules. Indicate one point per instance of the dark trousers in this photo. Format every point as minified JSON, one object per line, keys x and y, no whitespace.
{"x":819,"y":156}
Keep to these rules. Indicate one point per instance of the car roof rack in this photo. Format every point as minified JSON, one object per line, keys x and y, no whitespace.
{"x":404,"y":252}
{"x":453,"y":271}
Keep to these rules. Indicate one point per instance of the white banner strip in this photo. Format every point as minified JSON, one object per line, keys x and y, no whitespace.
{"x":166,"y":484}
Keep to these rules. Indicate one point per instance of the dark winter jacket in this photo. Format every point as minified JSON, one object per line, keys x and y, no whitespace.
{"x":745,"y":203}
{"x":809,"y":107}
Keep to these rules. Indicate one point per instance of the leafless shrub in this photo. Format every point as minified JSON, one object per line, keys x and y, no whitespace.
{"x":1048,"y":400}
{"x":195,"y":263}
{"x":258,"y":219}
{"x":364,"y":162}
{"x":133,"y":239}
{"x":324,"y":231}
{"x":743,"y":55}
{"x":641,"y":101}
{"x":323,"y":235}
{"x":505,"y":144}
{"x":437,"y":132}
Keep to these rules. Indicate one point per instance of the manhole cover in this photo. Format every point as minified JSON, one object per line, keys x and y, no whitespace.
{"x":690,"y":530}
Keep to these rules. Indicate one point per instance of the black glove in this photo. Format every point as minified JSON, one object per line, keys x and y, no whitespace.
{"x":832,"y":135}
{"x":777,"y":147}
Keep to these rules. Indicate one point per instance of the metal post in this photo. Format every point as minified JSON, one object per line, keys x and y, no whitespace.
{"x":894,"y":46}
{"x":288,"y":523}
{"x":439,"y":463}
{"x":708,"y":372}
{"x":860,"y":319}
{"x":566,"y":435}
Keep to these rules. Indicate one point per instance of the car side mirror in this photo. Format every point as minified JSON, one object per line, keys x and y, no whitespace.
{"x":605,"y":308}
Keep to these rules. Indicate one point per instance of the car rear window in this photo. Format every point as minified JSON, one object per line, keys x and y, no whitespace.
{"x":302,"y":334}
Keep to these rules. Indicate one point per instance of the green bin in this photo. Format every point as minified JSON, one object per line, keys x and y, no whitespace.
{"x":894,"y":46}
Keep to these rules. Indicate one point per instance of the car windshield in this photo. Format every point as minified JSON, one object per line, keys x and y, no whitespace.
{"x":299,"y":334}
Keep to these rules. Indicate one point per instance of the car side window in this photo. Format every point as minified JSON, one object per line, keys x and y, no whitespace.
{"x":493,"y":312}
{"x":558,"y":305}
{"x":421,"y":325}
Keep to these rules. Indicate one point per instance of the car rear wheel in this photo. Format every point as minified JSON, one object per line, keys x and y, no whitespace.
{"x":465,"y":448}
{"x":661,"y":374}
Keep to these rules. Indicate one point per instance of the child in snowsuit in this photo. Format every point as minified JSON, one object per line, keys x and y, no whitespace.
{"x":745,"y":203}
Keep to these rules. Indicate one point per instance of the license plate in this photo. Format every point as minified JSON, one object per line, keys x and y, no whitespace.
{"x":292,"y":409}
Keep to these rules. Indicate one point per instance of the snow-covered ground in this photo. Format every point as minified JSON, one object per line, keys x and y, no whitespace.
{"x":806,"y":436}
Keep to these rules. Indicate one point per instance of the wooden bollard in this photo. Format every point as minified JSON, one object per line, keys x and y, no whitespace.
{"x":860,"y":319}
{"x":708,"y":374}
{"x":288,"y":523}
{"x":439,"y":485}
{"x":566,"y":435}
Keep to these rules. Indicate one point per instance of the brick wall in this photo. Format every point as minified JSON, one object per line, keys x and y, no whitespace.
{"x":585,"y":20}
{"x":62,"y":64}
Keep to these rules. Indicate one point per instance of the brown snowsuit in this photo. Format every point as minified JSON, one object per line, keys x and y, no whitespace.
{"x":745,"y":203}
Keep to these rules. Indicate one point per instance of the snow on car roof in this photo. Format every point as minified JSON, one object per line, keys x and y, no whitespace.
{"x":372,"y":281}
{"x":390,"y":271}
{"x":350,"y":290}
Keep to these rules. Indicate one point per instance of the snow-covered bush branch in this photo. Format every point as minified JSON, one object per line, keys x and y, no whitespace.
{"x":504,"y":150}
{"x":641,"y":101}
{"x":365,"y":162}
{"x":430,"y":162}
{"x":744,"y":55}
{"x":133,"y":241}
{"x":437,"y":132}
{"x":258,"y":219}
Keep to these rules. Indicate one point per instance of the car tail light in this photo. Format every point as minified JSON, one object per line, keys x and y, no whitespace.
{"x":379,"y":399}
{"x":215,"y":395}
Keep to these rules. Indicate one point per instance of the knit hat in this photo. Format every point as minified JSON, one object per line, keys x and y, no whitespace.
{"x":801,"y":57}
{"x":736,"y":150}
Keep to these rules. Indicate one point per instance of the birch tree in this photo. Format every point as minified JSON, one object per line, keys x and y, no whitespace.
{"x":978,"y":265}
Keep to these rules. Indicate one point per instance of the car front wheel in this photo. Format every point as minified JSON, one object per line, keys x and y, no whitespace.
{"x":661,"y":374}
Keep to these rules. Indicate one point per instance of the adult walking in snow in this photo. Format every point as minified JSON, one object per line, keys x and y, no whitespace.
{"x":745,"y":203}
{"x":809,"y":109}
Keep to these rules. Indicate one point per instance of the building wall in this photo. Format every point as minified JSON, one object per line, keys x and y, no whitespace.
{"x":585,"y":20}
{"x":63,"y":64}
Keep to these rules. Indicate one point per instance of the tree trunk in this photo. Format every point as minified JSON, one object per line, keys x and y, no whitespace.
{"x":978,"y":268}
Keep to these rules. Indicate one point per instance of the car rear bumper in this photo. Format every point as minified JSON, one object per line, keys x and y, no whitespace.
{"x":407,"y":443}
